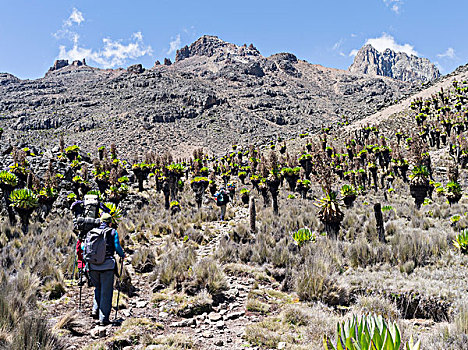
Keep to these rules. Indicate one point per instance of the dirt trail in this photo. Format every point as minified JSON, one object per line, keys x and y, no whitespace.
{"x":220,"y":329}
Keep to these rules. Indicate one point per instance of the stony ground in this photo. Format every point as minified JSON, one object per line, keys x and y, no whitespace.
{"x":223,"y":328}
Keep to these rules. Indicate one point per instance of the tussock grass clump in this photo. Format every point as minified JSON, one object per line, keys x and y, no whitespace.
{"x":173,"y":267}
{"x":255,"y":305}
{"x":143,"y":260}
{"x":461,"y":316}
{"x":366,"y":305}
{"x":207,"y":274}
{"x":295,"y":315}
{"x":54,"y":289}
{"x":316,"y":278}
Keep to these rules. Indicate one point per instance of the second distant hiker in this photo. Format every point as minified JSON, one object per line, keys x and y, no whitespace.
{"x":222,"y":199}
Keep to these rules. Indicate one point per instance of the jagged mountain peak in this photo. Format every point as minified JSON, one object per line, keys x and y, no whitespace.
{"x":209,"y":45}
{"x":397,"y":65}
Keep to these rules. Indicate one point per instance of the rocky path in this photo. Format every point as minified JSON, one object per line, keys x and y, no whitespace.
{"x":222,"y":328}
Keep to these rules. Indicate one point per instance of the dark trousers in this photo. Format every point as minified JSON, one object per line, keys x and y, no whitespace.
{"x":103,"y":282}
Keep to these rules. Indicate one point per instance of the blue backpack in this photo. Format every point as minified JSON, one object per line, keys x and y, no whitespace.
{"x":222,"y":198}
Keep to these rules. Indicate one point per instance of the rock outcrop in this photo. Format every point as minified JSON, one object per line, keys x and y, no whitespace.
{"x":396,"y":65}
{"x":210,"y":46}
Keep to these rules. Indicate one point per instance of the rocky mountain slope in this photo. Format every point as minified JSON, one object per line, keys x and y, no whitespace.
{"x":397,"y":65}
{"x":214,"y":95}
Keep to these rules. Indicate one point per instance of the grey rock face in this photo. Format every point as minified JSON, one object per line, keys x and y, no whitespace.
{"x":397,"y":65}
{"x":216,"y":94}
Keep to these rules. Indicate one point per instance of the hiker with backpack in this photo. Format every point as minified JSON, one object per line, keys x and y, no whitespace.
{"x":222,"y":199}
{"x":99,"y":248}
{"x":86,"y":217}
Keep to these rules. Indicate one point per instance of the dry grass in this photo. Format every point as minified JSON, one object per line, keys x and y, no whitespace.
{"x":207,"y":274}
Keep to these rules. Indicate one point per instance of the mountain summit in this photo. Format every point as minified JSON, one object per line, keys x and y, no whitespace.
{"x":397,"y":65}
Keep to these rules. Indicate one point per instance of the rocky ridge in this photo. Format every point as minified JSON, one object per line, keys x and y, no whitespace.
{"x":215,"y":94}
{"x":397,"y":65}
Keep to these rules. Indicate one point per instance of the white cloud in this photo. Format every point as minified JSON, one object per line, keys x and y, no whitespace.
{"x":353,"y":53}
{"x":387,"y":41}
{"x":450,"y":53}
{"x":65,"y":32}
{"x":112,"y":54}
{"x":394,"y":5}
{"x":174,"y":45}
{"x":337,"y":44}
{"x":75,"y":17}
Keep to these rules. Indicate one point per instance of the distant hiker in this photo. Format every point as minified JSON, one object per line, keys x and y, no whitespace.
{"x":222,"y":199}
{"x":99,"y":248}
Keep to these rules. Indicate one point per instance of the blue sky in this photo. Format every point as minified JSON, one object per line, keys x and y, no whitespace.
{"x":110,"y":34}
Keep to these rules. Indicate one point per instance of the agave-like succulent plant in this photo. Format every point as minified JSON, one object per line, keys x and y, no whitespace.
{"x":368,"y":332}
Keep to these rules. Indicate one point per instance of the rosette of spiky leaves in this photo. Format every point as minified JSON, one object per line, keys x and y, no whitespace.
{"x":72,"y":149}
{"x":101,"y":176}
{"x":200,"y":180}
{"x":303,"y":235}
{"x":286,"y":171}
{"x":348,"y":191}
{"x":176,"y":169}
{"x":174,"y":204}
{"x":369,"y":332}
{"x":18,"y":169}
{"x":329,"y":209}
{"x":461,"y":241}
{"x":419,"y":175}
{"x":304,"y":183}
{"x":244,"y":191}
{"x":23,"y":198}
{"x":141,"y":167}
{"x":75,"y":164}
{"x":78,"y":179}
{"x":114,"y":211}
{"x":8,"y":179}
{"x":453,"y":187}
{"x":123,"y":179}
{"x":47,"y":193}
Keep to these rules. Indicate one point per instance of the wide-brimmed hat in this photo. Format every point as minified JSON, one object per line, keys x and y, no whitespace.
{"x":106,"y":218}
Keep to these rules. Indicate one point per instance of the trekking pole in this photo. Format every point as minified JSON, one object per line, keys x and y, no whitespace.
{"x":75,"y":263}
{"x":81,"y":285}
{"x":120,"y":287}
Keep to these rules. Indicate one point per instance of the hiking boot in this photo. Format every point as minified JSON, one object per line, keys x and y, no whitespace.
{"x":104,"y":323}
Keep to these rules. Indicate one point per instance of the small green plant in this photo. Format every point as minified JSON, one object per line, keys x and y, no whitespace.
{"x":461,"y":242}
{"x":386,"y":208}
{"x":304,"y":235}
